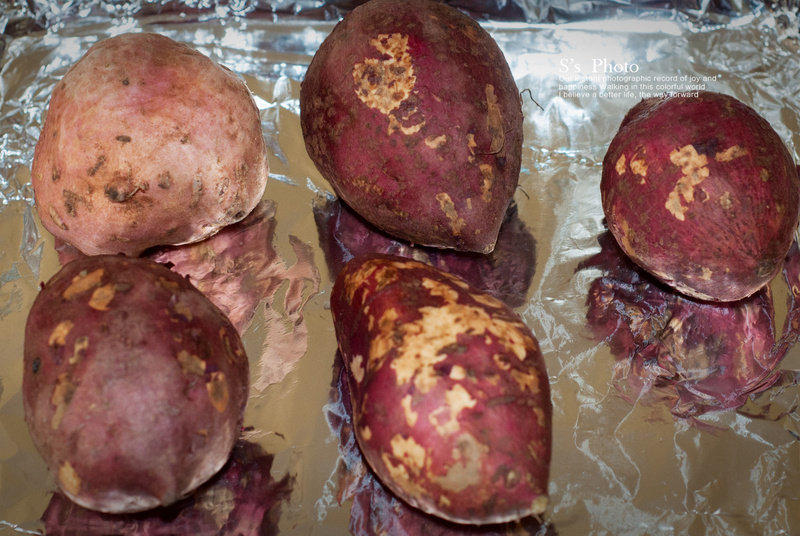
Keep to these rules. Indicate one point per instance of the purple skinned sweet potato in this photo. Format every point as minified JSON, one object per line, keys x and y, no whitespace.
{"x":702,"y":193}
{"x":505,"y":273}
{"x":450,"y":396}
{"x":698,"y":356}
{"x":411,"y":113}
{"x":242,"y":499}
{"x":134,"y":383}
{"x":375,"y":510}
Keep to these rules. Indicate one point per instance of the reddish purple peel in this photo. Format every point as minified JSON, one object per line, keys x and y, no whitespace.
{"x":505,"y":273}
{"x":697,"y":356}
{"x":702,"y":193}
{"x":451,"y":401}
{"x":134,"y":384}
{"x":410,"y":111}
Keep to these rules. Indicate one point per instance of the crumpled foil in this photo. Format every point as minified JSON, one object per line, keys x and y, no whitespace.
{"x":623,"y":464}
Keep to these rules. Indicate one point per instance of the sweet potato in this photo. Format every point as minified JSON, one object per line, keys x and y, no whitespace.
{"x":505,"y":273}
{"x":134,"y":383}
{"x":450,"y":396}
{"x":411,"y":113}
{"x":147,"y":142}
{"x":702,"y":193}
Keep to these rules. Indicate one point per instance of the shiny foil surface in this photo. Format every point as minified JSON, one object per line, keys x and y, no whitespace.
{"x":646,"y":439}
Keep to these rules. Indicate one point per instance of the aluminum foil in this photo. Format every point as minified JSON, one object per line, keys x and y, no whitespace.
{"x":623,"y":464}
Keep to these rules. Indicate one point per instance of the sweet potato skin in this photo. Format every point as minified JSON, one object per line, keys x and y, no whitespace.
{"x":450,"y":396}
{"x":134,"y":384}
{"x":147,"y":142}
{"x":702,"y":193}
{"x":410,"y":111}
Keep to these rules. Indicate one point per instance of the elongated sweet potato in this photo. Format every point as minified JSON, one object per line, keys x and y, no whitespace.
{"x":134,"y":384}
{"x":410,"y":111}
{"x":147,"y":142}
{"x":450,"y":396}
{"x":702,"y":193}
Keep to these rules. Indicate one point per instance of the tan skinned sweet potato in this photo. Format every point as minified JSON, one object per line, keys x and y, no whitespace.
{"x":134,"y":383}
{"x":450,"y":396}
{"x":410,"y":111}
{"x":702,"y":193}
{"x":147,"y":142}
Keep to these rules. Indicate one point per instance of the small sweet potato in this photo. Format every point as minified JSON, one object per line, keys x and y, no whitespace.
{"x":450,"y":396}
{"x":134,"y":383}
{"x":410,"y":111}
{"x":702,"y":193}
{"x":147,"y":142}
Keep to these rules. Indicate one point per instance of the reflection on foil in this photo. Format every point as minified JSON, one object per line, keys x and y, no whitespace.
{"x":238,"y":269}
{"x":697,"y":356}
{"x":505,"y":273}
{"x":375,"y":510}
{"x":242,"y":499}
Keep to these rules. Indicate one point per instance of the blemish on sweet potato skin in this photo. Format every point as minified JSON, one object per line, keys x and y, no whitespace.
{"x":438,"y":371}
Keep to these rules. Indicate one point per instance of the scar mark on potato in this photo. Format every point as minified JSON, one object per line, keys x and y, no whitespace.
{"x":80,"y":346}
{"x":54,"y":216}
{"x":620,"y":165}
{"x":732,"y":152}
{"x":58,"y":337}
{"x":494,"y":120}
{"x":123,"y":138}
{"x":190,"y":363}
{"x":468,"y":456}
{"x":694,"y":171}
{"x":69,"y":479}
{"x":488,"y":180}
{"x":61,"y":397}
{"x":122,"y":189}
{"x":82,"y":282}
{"x":97,"y":165}
{"x":436,"y":142}
{"x":449,"y":208}
{"x":102,"y":296}
{"x":217,"y":387}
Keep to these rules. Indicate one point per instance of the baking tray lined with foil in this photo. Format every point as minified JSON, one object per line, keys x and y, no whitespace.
{"x":633,"y":452}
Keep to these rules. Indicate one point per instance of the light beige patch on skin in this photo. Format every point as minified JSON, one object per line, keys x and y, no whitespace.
{"x":217,"y":388}
{"x":620,"y":165}
{"x":487,"y":172}
{"x":102,"y":296}
{"x":725,"y":201}
{"x":61,"y":397}
{"x":437,"y":142}
{"x":357,"y":368}
{"x":80,"y":346}
{"x":58,"y":337}
{"x":694,"y":170}
{"x":449,"y":208}
{"x":639,"y":167}
{"x":385,"y":84}
{"x":69,"y":479}
{"x":731,"y":153}
{"x":410,"y":415}
{"x":465,"y":470}
{"x":494,"y":120}
{"x":190,"y":363}
{"x":445,"y":417}
{"x":82,"y":282}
